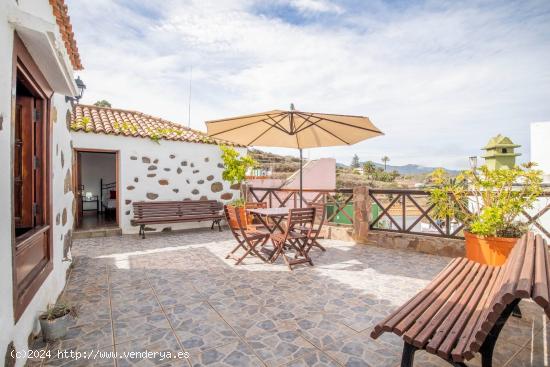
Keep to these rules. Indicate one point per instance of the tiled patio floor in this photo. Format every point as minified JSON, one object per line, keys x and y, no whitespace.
{"x":176,"y":292}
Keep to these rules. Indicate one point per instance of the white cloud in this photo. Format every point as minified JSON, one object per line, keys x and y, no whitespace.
{"x":439,"y":79}
{"x":316,"y":6}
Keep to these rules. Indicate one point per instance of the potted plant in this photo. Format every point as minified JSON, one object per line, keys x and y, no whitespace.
{"x":489,"y":203}
{"x":235,"y":170}
{"x":54,"y":321}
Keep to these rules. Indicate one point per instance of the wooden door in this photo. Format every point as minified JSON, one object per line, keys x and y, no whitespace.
{"x":23,"y":181}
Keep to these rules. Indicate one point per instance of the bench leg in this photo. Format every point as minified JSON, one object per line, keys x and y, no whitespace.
{"x":142,"y":231}
{"x":216,"y":222}
{"x":407,"y":359}
{"x":488,"y":346}
{"x":517,"y":312}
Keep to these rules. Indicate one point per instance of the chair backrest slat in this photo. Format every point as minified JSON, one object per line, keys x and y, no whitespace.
{"x":300,"y":217}
{"x":237,"y":224}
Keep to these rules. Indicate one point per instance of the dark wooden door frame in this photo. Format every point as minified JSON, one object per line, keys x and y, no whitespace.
{"x":77,"y":172}
{"x":27,"y":72}
{"x":77,"y":184}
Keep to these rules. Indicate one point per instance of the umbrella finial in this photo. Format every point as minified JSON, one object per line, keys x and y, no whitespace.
{"x":292,"y":106}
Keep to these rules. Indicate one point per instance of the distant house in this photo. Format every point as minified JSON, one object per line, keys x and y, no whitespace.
{"x":38,"y":60}
{"x":317,"y":174}
{"x":127,"y":156}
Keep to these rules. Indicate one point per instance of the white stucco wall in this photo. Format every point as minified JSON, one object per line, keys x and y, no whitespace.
{"x":540,"y":149}
{"x":61,"y":201}
{"x":6,"y":303}
{"x":167,"y":170}
{"x":540,"y":154}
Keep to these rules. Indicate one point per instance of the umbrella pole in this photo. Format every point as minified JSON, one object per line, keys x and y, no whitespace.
{"x":301,"y":167}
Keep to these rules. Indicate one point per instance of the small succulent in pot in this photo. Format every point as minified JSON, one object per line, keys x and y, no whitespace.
{"x":54,"y":322}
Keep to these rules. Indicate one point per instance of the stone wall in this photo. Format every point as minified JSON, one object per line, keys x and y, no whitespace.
{"x":426,"y":244}
{"x":339,"y":232}
{"x":403,"y":241}
{"x":167,"y":170}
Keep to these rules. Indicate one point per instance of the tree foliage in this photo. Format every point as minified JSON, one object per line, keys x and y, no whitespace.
{"x":378,"y":174}
{"x":236,"y":167}
{"x":369,"y":168}
{"x":103,"y":103}
{"x":355,"y":161}
{"x":488,"y":202}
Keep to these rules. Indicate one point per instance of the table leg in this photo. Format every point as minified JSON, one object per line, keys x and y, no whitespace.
{"x":277,"y":223}
{"x":265,"y":223}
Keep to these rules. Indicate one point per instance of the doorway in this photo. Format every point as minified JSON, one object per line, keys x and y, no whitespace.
{"x":97,"y":189}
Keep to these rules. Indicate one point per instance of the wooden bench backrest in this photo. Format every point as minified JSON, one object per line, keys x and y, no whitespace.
{"x":159,"y":209}
{"x":525,"y":274}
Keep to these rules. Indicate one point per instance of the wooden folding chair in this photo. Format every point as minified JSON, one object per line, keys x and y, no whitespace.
{"x":320,"y":215}
{"x":298,"y":230}
{"x":247,"y":238}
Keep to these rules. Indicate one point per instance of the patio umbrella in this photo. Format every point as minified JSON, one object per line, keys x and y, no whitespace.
{"x":293,"y":129}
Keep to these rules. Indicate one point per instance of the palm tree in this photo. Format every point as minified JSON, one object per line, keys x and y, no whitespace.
{"x":385,"y":159}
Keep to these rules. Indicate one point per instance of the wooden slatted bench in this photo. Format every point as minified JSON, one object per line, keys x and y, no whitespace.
{"x":462,"y":311}
{"x":160,"y":212}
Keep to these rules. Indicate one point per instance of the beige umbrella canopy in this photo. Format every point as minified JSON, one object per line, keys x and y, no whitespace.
{"x":293,"y":129}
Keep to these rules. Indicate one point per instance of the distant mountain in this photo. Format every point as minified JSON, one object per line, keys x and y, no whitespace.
{"x":408,"y":169}
{"x":413,"y":169}
{"x":289,"y":164}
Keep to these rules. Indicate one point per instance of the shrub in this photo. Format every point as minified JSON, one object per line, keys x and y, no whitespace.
{"x":488,"y":202}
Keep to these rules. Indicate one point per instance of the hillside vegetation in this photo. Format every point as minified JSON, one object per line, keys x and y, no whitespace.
{"x":374,"y":175}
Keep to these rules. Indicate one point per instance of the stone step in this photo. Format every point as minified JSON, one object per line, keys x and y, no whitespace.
{"x":97,"y":232}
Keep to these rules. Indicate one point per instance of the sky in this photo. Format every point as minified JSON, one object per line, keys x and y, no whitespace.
{"x":439,"y":78}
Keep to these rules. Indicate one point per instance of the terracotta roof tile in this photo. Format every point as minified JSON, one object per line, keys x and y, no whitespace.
{"x":111,"y":121}
{"x":61,"y":14}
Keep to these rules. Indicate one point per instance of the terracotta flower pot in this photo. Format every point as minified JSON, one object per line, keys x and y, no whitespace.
{"x":241,"y":212}
{"x":488,"y":250}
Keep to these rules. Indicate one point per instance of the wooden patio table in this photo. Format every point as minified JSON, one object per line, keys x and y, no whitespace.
{"x":273,"y":215}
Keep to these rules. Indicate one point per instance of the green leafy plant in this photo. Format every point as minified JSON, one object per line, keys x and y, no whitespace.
{"x":235,"y":170}
{"x":488,"y":202}
{"x":59,"y":309}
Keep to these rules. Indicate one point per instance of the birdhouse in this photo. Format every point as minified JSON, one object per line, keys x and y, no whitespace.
{"x":500,"y":153}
